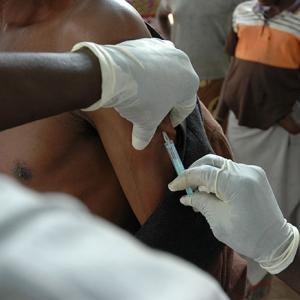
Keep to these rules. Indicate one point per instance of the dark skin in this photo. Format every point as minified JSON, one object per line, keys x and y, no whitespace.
{"x":276,"y":7}
{"x":73,"y":152}
{"x":27,"y":81}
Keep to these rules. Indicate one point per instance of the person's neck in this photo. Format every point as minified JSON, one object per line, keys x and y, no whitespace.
{"x":19,"y":13}
{"x":277,"y":9}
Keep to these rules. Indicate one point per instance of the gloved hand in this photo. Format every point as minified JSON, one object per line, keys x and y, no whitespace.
{"x":241,"y":209}
{"x":144,"y":80}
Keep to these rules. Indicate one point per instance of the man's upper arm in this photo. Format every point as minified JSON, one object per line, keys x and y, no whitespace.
{"x":143,"y":175}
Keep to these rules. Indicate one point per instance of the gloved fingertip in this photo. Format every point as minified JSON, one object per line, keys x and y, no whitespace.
{"x":138,"y":144}
{"x":176,"y":185}
{"x":176,"y":120}
{"x":141,"y":137}
{"x":171,"y":187}
{"x":180,"y":113}
{"x":186,"y":200}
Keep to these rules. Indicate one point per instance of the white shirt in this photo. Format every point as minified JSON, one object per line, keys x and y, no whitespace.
{"x":52,"y":248}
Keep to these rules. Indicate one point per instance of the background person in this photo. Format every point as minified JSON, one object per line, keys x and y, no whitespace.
{"x":261,"y":91}
{"x":200,"y":29}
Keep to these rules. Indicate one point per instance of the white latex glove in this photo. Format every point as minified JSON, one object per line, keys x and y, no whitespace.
{"x":144,"y":80}
{"x":52,"y":248}
{"x":242,"y":210}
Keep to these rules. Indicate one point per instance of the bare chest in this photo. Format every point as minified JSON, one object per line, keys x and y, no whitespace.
{"x":48,"y":154}
{"x":61,"y":153}
{"x":33,"y":150}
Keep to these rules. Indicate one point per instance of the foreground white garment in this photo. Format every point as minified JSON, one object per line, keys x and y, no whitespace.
{"x":52,"y":248}
{"x":278,"y":153}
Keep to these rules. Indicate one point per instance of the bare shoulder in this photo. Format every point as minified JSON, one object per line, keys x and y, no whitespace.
{"x":108,"y":21}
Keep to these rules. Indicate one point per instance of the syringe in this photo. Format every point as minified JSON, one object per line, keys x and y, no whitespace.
{"x":176,"y":161}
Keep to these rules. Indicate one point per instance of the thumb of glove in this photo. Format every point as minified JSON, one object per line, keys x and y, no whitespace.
{"x":199,"y":201}
{"x":141,"y":136}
